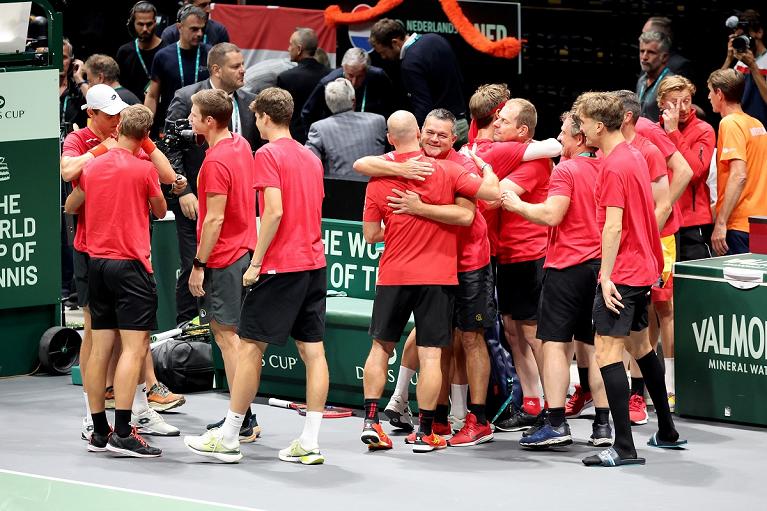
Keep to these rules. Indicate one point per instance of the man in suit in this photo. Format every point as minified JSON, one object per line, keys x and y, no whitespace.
{"x":227,"y":72}
{"x":372,"y":86}
{"x":347,"y":135}
{"x":301,"y":80}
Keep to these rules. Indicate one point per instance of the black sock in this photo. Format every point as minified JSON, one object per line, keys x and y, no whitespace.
{"x":479,"y":412}
{"x":656,"y":386}
{"x":637,"y":385}
{"x":440,"y":415}
{"x":583,"y":375}
{"x":100,"y":424}
{"x":371,"y":410}
{"x":426,"y":421}
{"x":617,"y":389}
{"x":602,"y":416}
{"x":556,"y":417}
{"x":122,"y":423}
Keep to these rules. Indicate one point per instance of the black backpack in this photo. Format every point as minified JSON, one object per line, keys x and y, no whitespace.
{"x":184,"y":365}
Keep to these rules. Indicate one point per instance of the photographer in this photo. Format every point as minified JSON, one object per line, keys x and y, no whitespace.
{"x":746,"y":46}
{"x":227,"y":73}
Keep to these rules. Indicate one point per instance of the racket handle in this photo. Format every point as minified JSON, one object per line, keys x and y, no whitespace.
{"x":165,"y":335}
{"x":281,"y":403}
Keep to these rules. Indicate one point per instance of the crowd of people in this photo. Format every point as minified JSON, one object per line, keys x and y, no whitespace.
{"x":477,"y":222}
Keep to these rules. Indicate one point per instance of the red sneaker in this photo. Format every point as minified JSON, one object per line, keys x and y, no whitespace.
{"x":578,"y":401}
{"x":373,"y":435}
{"x":472,"y":433}
{"x":424,"y":443}
{"x":637,"y":410}
{"x":442,"y":429}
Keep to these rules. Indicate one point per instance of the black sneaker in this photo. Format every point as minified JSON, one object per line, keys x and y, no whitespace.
{"x":98,"y":443}
{"x":519,"y":421}
{"x":602,"y":435}
{"x":133,"y":445}
{"x":540,"y":421}
{"x":249,"y":431}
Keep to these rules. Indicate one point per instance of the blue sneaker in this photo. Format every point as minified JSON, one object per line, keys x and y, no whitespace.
{"x":548,"y":436}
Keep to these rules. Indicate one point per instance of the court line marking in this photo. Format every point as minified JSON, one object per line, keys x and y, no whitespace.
{"x":128,"y":490}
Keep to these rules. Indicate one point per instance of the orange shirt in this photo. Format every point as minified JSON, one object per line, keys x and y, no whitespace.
{"x":742,"y":137}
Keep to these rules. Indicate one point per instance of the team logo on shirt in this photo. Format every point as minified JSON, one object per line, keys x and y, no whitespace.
{"x":5,"y":173}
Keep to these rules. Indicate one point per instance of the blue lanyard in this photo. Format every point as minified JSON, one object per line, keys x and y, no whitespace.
{"x":64,"y":110}
{"x":364,"y":98}
{"x":588,"y":154}
{"x":235,"y":115}
{"x":140,"y":58}
{"x":644,"y":89}
{"x":181,"y":66}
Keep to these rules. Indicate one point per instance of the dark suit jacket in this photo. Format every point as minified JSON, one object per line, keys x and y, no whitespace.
{"x":300,"y":82}
{"x":375,"y":93}
{"x":189,"y":161}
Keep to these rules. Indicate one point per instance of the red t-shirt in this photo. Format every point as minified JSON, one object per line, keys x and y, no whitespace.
{"x":228,"y":170}
{"x":521,"y":240}
{"x":77,"y":144}
{"x":503,"y":157}
{"x":473,"y":243}
{"x":117,"y":187}
{"x":297,"y":172}
{"x":656,"y":165}
{"x":623,"y":184}
{"x":660,"y":139}
{"x":576,"y":239}
{"x":419,"y":251}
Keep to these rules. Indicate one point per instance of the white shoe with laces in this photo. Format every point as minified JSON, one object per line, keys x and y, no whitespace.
{"x":398,"y":412}
{"x":150,"y":422}
{"x":87,"y":429}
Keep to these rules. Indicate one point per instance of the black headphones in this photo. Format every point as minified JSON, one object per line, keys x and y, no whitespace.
{"x":144,"y":6}
{"x":183,"y":11}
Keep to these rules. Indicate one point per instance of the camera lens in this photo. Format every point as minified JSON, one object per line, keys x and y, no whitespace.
{"x":741,"y":43}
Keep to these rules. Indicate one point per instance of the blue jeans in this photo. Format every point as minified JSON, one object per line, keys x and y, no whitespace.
{"x":737,"y":242}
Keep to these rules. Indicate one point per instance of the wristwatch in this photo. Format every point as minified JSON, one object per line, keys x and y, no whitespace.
{"x":198,"y":264}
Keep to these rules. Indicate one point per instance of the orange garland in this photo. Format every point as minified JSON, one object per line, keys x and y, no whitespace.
{"x":508,"y":47}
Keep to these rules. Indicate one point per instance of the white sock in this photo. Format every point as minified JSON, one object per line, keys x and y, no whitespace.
{"x":670,"y":380}
{"x":311,"y":433}
{"x":402,"y":389}
{"x":87,"y":408}
{"x":458,"y":397}
{"x":140,"y":404}
{"x":231,"y":427}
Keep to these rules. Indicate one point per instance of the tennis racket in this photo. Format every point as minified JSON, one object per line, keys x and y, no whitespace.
{"x":188,"y":331}
{"x":330,"y":412}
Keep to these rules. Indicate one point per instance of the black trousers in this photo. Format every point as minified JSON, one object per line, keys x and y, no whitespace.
{"x":186,"y":231}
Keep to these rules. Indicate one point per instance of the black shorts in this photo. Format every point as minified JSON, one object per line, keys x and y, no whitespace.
{"x":475,"y":300}
{"x":432,"y":306}
{"x":695,"y":242}
{"x":567,"y":298}
{"x":123,"y":295}
{"x":633,"y":316}
{"x":519,"y":289}
{"x":80,"y":261}
{"x":283,"y":305}
{"x":224,"y":292}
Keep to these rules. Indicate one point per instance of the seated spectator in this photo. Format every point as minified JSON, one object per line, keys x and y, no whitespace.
{"x":678,"y":64}
{"x":215,"y":32}
{"x":347,"y":135}
{"x":104,"y":69}
{"x":372,"y":88}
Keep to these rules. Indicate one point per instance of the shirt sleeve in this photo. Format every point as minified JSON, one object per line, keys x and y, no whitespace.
{"x":73,"y":146}
{"x":217,"y":177}
{"x":372,"y":211}
{"x":465,"y":183}
{"x":733,"y":141}
{"x":505,"y":157}
{"x":266,"y":170}
{"x":613,"y":190}
{"x":561,"y":183}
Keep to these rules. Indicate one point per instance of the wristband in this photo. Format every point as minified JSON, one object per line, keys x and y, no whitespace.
{"x":98,"y":150}
{"x":256,"y":265}
{"x":198,"y":264}
{"x":147,"y":145}
{"x":80,"y":84}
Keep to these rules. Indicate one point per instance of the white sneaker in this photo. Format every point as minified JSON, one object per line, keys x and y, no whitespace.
{"x":87,"y":429}
{"x":151,"y":423}
{"x":456,"y":423}
{"x":211,"y":444}
{"x":398,"y":412}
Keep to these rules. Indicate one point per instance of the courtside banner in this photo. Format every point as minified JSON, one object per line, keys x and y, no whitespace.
{"x":263,"y":32}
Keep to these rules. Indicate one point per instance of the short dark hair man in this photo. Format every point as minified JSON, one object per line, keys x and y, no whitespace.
{"x":654,"y":51}
{"x":104,"y":69}
{"x":677,"y":63}
{"x":135,"y":57}
{"x":120,"y":189}
{"x":632,"y":261}
{"x":214,"y":33}
{"x":286,"y":283}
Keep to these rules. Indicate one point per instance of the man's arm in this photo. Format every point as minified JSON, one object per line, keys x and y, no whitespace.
{"x":373,"y":166}
{"x":682,"y":173}
{"x":373,"y":232}
{"x":736,"y":181}
{"x":490,"y":189}
{"x":662,"y":198}
{"x":152,"y":96}
{"x":74,"y":201}
{"x":158,"y":206}
{"x":72,"y":166}
{"x":611,"y":239}
{"x":408,"y":202}
{"x":549,"y":148}
{"x":551,"y":212}
{"x":416,"y":84}
{"x":756,"y":74}
{"x":161,"y":164}
{"x":211,"y":229}
{"x":314,"y":142}
{"x":270,"y":222}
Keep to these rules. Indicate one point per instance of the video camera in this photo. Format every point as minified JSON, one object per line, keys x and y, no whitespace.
{"x":744,"y":41}
{"x":179,"y":135}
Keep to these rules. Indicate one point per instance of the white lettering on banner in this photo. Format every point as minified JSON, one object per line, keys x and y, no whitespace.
{"x":279,"y":362}
{"x":747,"y":340}
{"x":737,"y":367}
{"x":14,"y":244}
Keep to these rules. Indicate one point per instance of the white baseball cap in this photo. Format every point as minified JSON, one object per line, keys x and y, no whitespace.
{"x":103,"y":97}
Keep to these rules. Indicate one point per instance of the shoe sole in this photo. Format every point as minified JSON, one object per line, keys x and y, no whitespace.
{"x":640,"y":423}
{"x":313,"y":459}
{"x":93,"y":448}
{"x":246,"y":439}
{"x":552,"y":442}
{"x":220,"y":456}
{"x":396,"y":421}
{"x":164,"y":407}
{"x":601,"y":442}
{"x":480,"y":440}
{"x":152,"y":432}
{"x":587,"y":407}
{"x":426,"y":448}
{"x":370,"y":438}
{"x":130,"y":454}
{"x":514,"y":429}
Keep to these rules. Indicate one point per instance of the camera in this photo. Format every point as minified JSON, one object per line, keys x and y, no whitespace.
{"x":742,"y":42}
{"x":179,"y":135}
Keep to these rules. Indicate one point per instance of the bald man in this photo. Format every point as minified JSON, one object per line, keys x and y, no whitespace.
{"x":417,"y":272}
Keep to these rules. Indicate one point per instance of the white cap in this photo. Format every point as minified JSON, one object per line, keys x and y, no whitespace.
{"x":103,"y":97}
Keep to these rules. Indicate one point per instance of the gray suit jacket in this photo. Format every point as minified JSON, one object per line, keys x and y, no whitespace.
{"x":342,"y":138}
